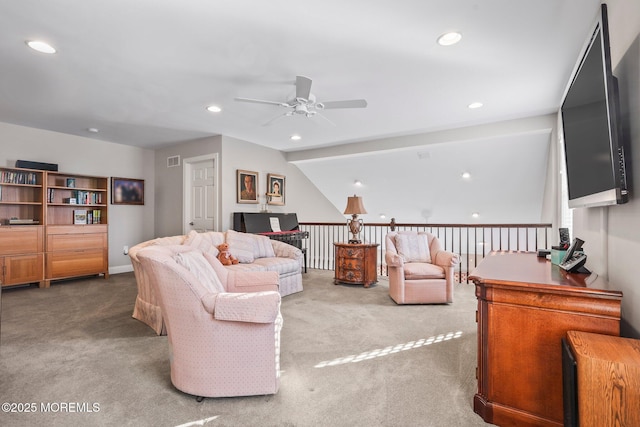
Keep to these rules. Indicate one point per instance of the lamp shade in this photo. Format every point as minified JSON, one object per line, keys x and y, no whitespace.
{"x":354,"y":206}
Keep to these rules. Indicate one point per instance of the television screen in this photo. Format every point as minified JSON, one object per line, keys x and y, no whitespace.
{"x":594,"y":153}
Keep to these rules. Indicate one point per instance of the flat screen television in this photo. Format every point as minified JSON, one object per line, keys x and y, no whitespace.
{"x":593,"y":144}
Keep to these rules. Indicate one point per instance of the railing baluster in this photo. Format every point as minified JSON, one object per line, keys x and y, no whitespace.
{"x":320,"y":249}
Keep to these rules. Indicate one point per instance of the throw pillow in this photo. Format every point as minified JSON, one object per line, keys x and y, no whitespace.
{"x":241,"y":246}
{"x":262,"y":247}
{"x":413,"y":247}
{"x":196,"y":263}
{"x":205,"y":242}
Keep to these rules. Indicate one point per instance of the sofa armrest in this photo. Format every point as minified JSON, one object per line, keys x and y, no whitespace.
{"x":252,"y":307}
{"x":446,"y":259}
{"x":252,"y":281}
{"x":285,"y":250}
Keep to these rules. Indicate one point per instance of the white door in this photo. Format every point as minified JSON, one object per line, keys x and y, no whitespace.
{"x":200,"y":194}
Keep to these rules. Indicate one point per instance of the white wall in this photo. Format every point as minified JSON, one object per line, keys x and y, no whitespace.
{"x":168,"y":190}
{"x":612,"y":234}
{"x":302,"y":196}
{"x":128,"y":225}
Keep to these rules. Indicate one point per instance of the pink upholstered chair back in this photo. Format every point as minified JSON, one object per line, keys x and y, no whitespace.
{"x":212,"y":357}
{"x":427,"y":282}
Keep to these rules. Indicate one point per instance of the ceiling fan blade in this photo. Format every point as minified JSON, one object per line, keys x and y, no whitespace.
{"x":351,"y":103}
{"x":261,"y":101}
{"x":303,"y":87}
{"x":270,"y":122}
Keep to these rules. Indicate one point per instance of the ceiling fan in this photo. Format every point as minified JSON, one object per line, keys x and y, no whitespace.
{"x":305,"y":102}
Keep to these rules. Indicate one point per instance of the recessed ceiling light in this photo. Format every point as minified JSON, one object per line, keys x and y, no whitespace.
{"x":475,"y":214}
{"x":296,"y":137}
{"x":41,"y":46}
{"x":214,"y":109}
{"x":357,"y":183}
{"x":466,"y":175}
{"x":382,"y":216}
{"x":448,"y":39}
{"x":93,"y":130}
{"x":474,"y":105}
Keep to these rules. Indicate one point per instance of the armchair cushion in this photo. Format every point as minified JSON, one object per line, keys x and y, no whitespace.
{"x":422,"y":270}
{"x":195,"y":262}
{"x":254,"y":307}
{"x":413,"y":247}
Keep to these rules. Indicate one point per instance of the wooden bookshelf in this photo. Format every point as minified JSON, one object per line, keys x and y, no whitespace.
{"x":21,"y":226}
{"x":76,"y":247}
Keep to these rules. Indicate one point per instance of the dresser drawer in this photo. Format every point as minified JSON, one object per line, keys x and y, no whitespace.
{"x":355,"y":276}
{"x":357,"y":253}
{"x":76,"y":263}
{"x":62,"y":242}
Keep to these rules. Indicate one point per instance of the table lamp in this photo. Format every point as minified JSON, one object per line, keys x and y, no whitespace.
{"x":355,"y":207}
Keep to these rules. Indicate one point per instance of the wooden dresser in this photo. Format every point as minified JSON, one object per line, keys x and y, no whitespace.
{"x":526,"y":306}
{"x":356,"y":263}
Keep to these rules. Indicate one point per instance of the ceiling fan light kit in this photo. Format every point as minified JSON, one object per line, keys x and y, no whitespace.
{"x":305,"y":103}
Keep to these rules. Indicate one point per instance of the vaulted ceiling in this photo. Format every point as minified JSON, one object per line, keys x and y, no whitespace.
{"x":142,"y":73}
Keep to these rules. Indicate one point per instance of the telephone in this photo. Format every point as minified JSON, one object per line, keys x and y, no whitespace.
{"x":574,"y":259}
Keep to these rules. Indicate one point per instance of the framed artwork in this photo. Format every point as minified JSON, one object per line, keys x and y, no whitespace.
{"x":275,"y":189}
{"x":247,"y":183}
{"x":127,"y":191}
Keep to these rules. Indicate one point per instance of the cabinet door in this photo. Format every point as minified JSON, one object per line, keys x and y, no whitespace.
{"x":23,"y":269}
{"x":20,"y":239}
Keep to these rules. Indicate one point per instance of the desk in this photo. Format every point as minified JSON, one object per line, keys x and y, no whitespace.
{"x":526,"y":305}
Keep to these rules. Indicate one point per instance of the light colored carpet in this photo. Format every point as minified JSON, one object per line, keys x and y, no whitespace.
{"x":350,"y":357}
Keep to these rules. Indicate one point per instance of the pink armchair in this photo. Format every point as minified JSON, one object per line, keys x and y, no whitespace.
{"x":420,"y":271}
{"x":223,"y":327}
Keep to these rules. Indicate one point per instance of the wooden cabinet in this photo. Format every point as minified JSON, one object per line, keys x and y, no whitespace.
{"x":21,"y":230}
{"x":76,"y":231}
{"x":356,"y":263}
{"x":526,"y":305}
{"x":608,"y":379}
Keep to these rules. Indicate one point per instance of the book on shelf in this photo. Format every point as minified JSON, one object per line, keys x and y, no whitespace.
{"x":80,"y":216}
{"x":9,"y":177}
{"x":22,"y":221}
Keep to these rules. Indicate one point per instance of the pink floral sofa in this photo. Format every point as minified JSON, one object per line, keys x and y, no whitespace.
{"x":223,"y":327}
{"x":254,"y":252}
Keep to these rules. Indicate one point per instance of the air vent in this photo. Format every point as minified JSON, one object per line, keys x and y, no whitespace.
{"x":173,"y":161}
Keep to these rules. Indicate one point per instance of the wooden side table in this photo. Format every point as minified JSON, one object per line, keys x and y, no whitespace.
{"x":356,"y":263}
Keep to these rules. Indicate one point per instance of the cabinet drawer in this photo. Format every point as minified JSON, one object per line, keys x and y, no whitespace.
{"x":350,"y":253}
{"x":350,"y":275}
{"x":76,"y":263}
{"x":20,"y":239}
{"x":351,"y":264}
{"x":63,"y":242}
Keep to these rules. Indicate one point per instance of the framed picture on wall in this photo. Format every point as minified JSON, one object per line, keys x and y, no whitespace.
{"x":127,"y":191}
{"x":247,"y":184}
{"x":275,"y":189}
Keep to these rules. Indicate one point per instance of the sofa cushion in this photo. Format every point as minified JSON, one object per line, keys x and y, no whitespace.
{"x":413,"y":247}
{"x":279,"y":265}
{"x":196,"y":263}
{"x":241,"y":246}
{"x":423,"y":270}
{"x":205,"y":242}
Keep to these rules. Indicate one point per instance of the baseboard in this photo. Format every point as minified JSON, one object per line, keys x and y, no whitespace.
{"x":120,"y":269}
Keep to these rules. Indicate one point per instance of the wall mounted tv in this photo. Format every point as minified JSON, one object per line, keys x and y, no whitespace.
{"x":593,"y":145}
